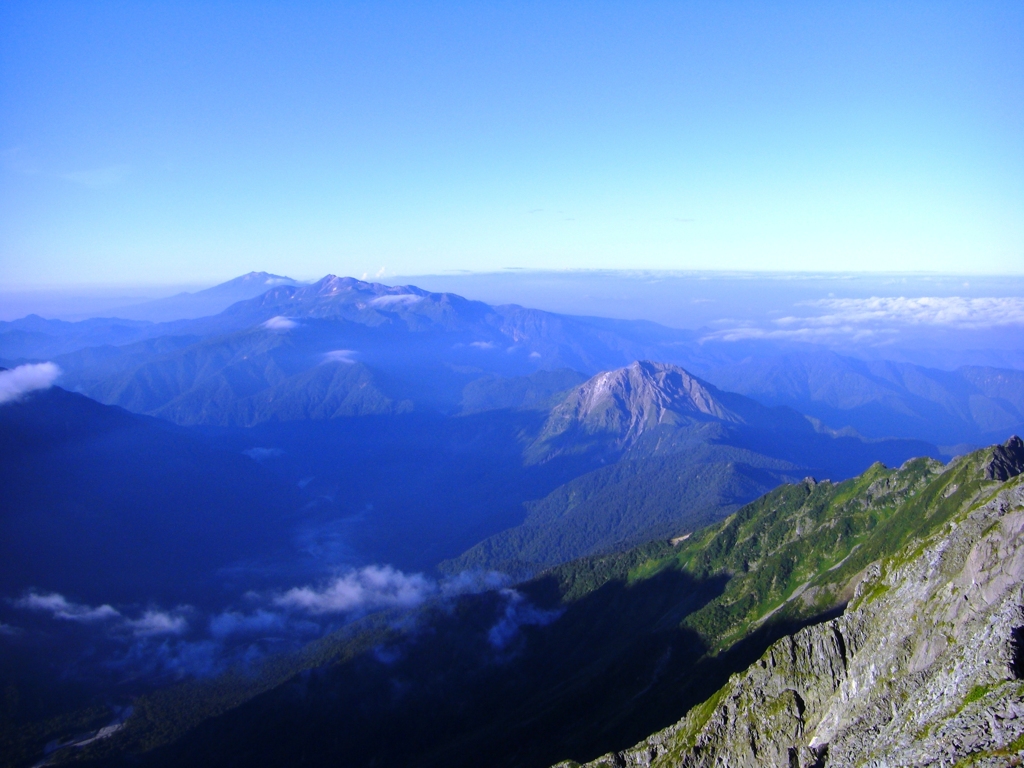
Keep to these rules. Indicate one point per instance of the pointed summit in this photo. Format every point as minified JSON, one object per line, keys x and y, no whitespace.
{"x":623,"y":404}
{"x":647,"y":392}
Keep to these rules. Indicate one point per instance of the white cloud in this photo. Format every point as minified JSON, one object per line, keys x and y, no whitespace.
{"x":473,"y":582}
{"x":151,"y":623}
{"x":280,"y":323}
{"x":18,"y":382}
{"x":519,"y":612}
{"x":61,"y":608}
{"x":157,"y":623}
{"x":382,"y":586}
{"x":366,"y":589}
{"x":482,"y":344}
{"x":340,"y":356}
{"x":396,"y":298}
{"x":810,"y":335}
{"x":952,"y":311}
{"x":881,"y":319}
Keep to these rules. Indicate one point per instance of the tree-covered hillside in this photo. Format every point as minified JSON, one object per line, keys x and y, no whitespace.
{"x":591,"y":656}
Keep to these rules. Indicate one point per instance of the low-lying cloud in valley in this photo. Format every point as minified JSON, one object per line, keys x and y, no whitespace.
{"x":280,"y":323}
{"x":18,"y":382}
{"x":519,"y":612}
{"x":156,"y":642}
{"x":340,"y":356}
{"x":150,"y":623}
{"x":366,"y":589}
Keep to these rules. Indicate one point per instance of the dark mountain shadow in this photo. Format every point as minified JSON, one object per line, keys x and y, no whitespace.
{"x":614,"y":667}
{"x":475,"y":682}
{"x":409,"y":489}
{"x":447,"y":695}
{"x":92,"y":493}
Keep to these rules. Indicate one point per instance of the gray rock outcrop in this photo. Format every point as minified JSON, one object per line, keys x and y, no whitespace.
{"x":924,"y":668}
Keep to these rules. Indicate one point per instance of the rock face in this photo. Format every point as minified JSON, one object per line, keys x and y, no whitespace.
{"x":1007,"y":460}
{"x":625,"y":403}
{"x":924,"y":668}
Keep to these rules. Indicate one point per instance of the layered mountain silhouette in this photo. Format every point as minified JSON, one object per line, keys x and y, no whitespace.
{"x":430,"y":350}
{"x":184,"y":306}
{"x":882,"y":398}
{"x":682,"y":454}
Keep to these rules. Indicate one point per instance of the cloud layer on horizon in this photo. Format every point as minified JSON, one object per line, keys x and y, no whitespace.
{"x":882,"y":318}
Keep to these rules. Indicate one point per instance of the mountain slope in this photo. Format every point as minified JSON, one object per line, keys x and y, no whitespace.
{"x":926,"y":667}
{"x":210,"y":301}
{"x":616,"y":507}
{"x":92,"y":492}
{"x":881,"y":398}
{"x":588,"y":658}
{"x":673,"y":454}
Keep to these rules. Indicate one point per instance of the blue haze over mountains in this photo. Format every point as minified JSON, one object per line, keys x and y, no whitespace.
{"x":213,"y":472}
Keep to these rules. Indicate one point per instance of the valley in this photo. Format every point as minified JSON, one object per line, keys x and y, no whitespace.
{"x":477,"y":522}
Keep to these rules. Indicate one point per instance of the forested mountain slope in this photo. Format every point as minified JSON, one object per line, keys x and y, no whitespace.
{"x":925,"y":667}
{"x":599,"y":652}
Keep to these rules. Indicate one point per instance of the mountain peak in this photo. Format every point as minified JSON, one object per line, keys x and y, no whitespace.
{"x":649,"y":391}
{"x":332,"y":285}
{"x":627,"y":402}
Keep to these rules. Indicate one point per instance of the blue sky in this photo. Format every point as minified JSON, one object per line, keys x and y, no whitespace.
{"x":171,"y":143}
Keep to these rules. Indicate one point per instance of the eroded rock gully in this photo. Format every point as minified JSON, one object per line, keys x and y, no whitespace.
{"x":925,"y":667}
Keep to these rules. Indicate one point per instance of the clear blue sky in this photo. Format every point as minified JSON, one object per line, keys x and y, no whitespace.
{"x":176,"y":142}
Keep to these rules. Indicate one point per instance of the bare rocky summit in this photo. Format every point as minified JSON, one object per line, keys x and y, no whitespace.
{"x":624,"y":404}
{"x":924,"y":668}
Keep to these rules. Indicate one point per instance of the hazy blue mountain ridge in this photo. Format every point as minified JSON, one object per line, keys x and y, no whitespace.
{"x":210,"y":301}
{"x":426,"y":348}
{"x":885,"y":399}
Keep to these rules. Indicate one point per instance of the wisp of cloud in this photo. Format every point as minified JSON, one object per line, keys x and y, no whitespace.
{"x":280,"y":323}
{"x":18,"y":382}
{"x":366,"y":589}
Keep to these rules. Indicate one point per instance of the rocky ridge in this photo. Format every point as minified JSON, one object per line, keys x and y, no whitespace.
{"x":925,"y":667}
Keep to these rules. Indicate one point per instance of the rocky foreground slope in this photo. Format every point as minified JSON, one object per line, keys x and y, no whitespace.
{"x":924,"y":668}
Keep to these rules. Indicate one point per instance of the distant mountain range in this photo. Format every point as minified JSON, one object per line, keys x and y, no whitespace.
{"x":308,"y":434}
{"x":185,"y":306}
{"x":436,"y":351}
{"x":886,"y":399}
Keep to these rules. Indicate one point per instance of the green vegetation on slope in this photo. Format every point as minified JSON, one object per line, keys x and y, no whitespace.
{"x":643,"y":636}
{"x":620,"y":506}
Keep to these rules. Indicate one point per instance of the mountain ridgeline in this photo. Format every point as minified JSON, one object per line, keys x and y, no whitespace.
{"x":669,"y":453}
{"x":276,"y":523}
{"x":434,"y":350}
{"x":815,"y":626}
